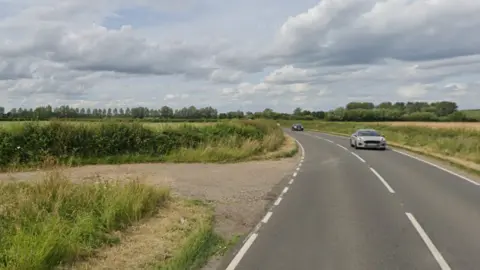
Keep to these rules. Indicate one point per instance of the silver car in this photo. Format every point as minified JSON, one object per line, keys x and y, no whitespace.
{"x":368,"y":138}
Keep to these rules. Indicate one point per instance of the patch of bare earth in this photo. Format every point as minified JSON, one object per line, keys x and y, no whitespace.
{"x":239,"y":193}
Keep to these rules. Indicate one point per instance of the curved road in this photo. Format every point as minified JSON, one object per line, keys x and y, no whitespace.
{"x":365,"y":210}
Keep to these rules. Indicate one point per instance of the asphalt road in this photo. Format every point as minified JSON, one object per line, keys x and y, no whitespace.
{"x":364,"y":209}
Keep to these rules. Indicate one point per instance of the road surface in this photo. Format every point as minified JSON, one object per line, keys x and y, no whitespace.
{"x":364,"y":209}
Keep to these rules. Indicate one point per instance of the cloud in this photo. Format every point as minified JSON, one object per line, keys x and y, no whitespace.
{"x":248,"y":55}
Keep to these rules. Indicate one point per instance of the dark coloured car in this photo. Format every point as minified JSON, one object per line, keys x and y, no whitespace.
{"x":297,"y":127}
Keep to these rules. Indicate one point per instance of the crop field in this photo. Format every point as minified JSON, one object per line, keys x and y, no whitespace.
{"x":30,"y":144}
{"x":457,"y":140}
{"x":454,"y":125}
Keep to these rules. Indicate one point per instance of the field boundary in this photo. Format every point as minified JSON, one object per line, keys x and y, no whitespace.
{"x":464,"y":165}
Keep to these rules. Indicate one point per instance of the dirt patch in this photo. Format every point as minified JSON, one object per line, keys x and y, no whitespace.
{"x":151,"y":241}
{"x":237,"y":190}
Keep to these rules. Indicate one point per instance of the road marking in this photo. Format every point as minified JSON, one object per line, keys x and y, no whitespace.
{"x":361,"y":159}
{"x":301,"y":147}
{"x":383,"y":180}
{"x":248,"y":243}
{"x":267,"y":217}
{"x":236,"y":260}
{"x":328,"y":140}
{"x":441,"y":261}
{"x":341,"y":146}
{"x":438,"y":167}
{"x":277,"y":202}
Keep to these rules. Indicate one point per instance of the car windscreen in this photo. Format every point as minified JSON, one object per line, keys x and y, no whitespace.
{"x":368,"y":133}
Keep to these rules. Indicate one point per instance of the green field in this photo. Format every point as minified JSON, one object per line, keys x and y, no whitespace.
{"x":30,"y":144}
{"x":461,"y":143}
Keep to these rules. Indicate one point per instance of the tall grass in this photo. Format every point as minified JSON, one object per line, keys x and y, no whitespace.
{"x":461,"y":143}
{"x":54,"y":221}
{"x":31,"y":144}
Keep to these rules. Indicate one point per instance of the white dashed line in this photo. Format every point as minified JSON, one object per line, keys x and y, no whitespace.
{"x":438,"y":257}
{"x":390,"y":189}
{"x":267,"y":217}
{"x":277,"y":202}
{"x":341,"y":146}
{"x":254,"y":234}
{"x":330,"y":141}
{"x":438,"y":167}
{"x":236,"y":260}
{"x":361,"y":159}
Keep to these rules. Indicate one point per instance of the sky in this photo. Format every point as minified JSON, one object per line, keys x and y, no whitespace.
{"x":238,"y":55}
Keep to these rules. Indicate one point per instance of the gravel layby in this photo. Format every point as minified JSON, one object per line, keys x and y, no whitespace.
{"x":240,"y":192}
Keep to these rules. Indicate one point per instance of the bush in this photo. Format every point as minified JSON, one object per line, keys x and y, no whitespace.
{"x":32,"y":143}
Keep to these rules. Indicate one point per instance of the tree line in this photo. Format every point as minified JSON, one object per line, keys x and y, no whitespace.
{"x":353,"y":111}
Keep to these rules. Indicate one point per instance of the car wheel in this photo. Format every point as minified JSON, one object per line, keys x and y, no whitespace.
{"x":351,"y":144}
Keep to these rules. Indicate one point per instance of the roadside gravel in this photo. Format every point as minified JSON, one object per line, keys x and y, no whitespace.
{"x":239,"y":191}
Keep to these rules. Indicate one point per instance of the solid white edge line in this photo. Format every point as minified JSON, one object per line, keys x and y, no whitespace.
{"x":267,"y":217}
{"x":277,"y":202}
{"x":436,"y":254}
{"x":361,"y":159}
{"x":285,"y":190}
{"x":236,"y":260}
{"x":390,"y":189}
{"x":438,"y":167}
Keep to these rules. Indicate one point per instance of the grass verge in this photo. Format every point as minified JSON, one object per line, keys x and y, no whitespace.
{"x":459,"y":147}
{"x":54,"y":223}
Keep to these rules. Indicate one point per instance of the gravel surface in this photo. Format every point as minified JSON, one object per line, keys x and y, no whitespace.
{"x":239,"y":191}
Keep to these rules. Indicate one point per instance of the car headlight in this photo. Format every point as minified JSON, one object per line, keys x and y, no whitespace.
{"x":360,"y":138}
{"x":382,"y":139}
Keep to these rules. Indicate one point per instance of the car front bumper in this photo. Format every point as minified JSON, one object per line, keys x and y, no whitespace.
{"x":379,"y":145}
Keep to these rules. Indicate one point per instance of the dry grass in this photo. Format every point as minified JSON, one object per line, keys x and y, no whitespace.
{"x":152,"y":242}
{"x":453,"y":125}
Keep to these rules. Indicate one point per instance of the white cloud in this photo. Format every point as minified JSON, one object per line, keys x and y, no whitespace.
{"x":413,"y":91}
{"x":248,"y":55}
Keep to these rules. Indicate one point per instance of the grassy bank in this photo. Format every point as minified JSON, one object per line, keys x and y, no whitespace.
{"x":35,"y":144}
{"x":460,"y":144}
{"x":54,"y":222}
